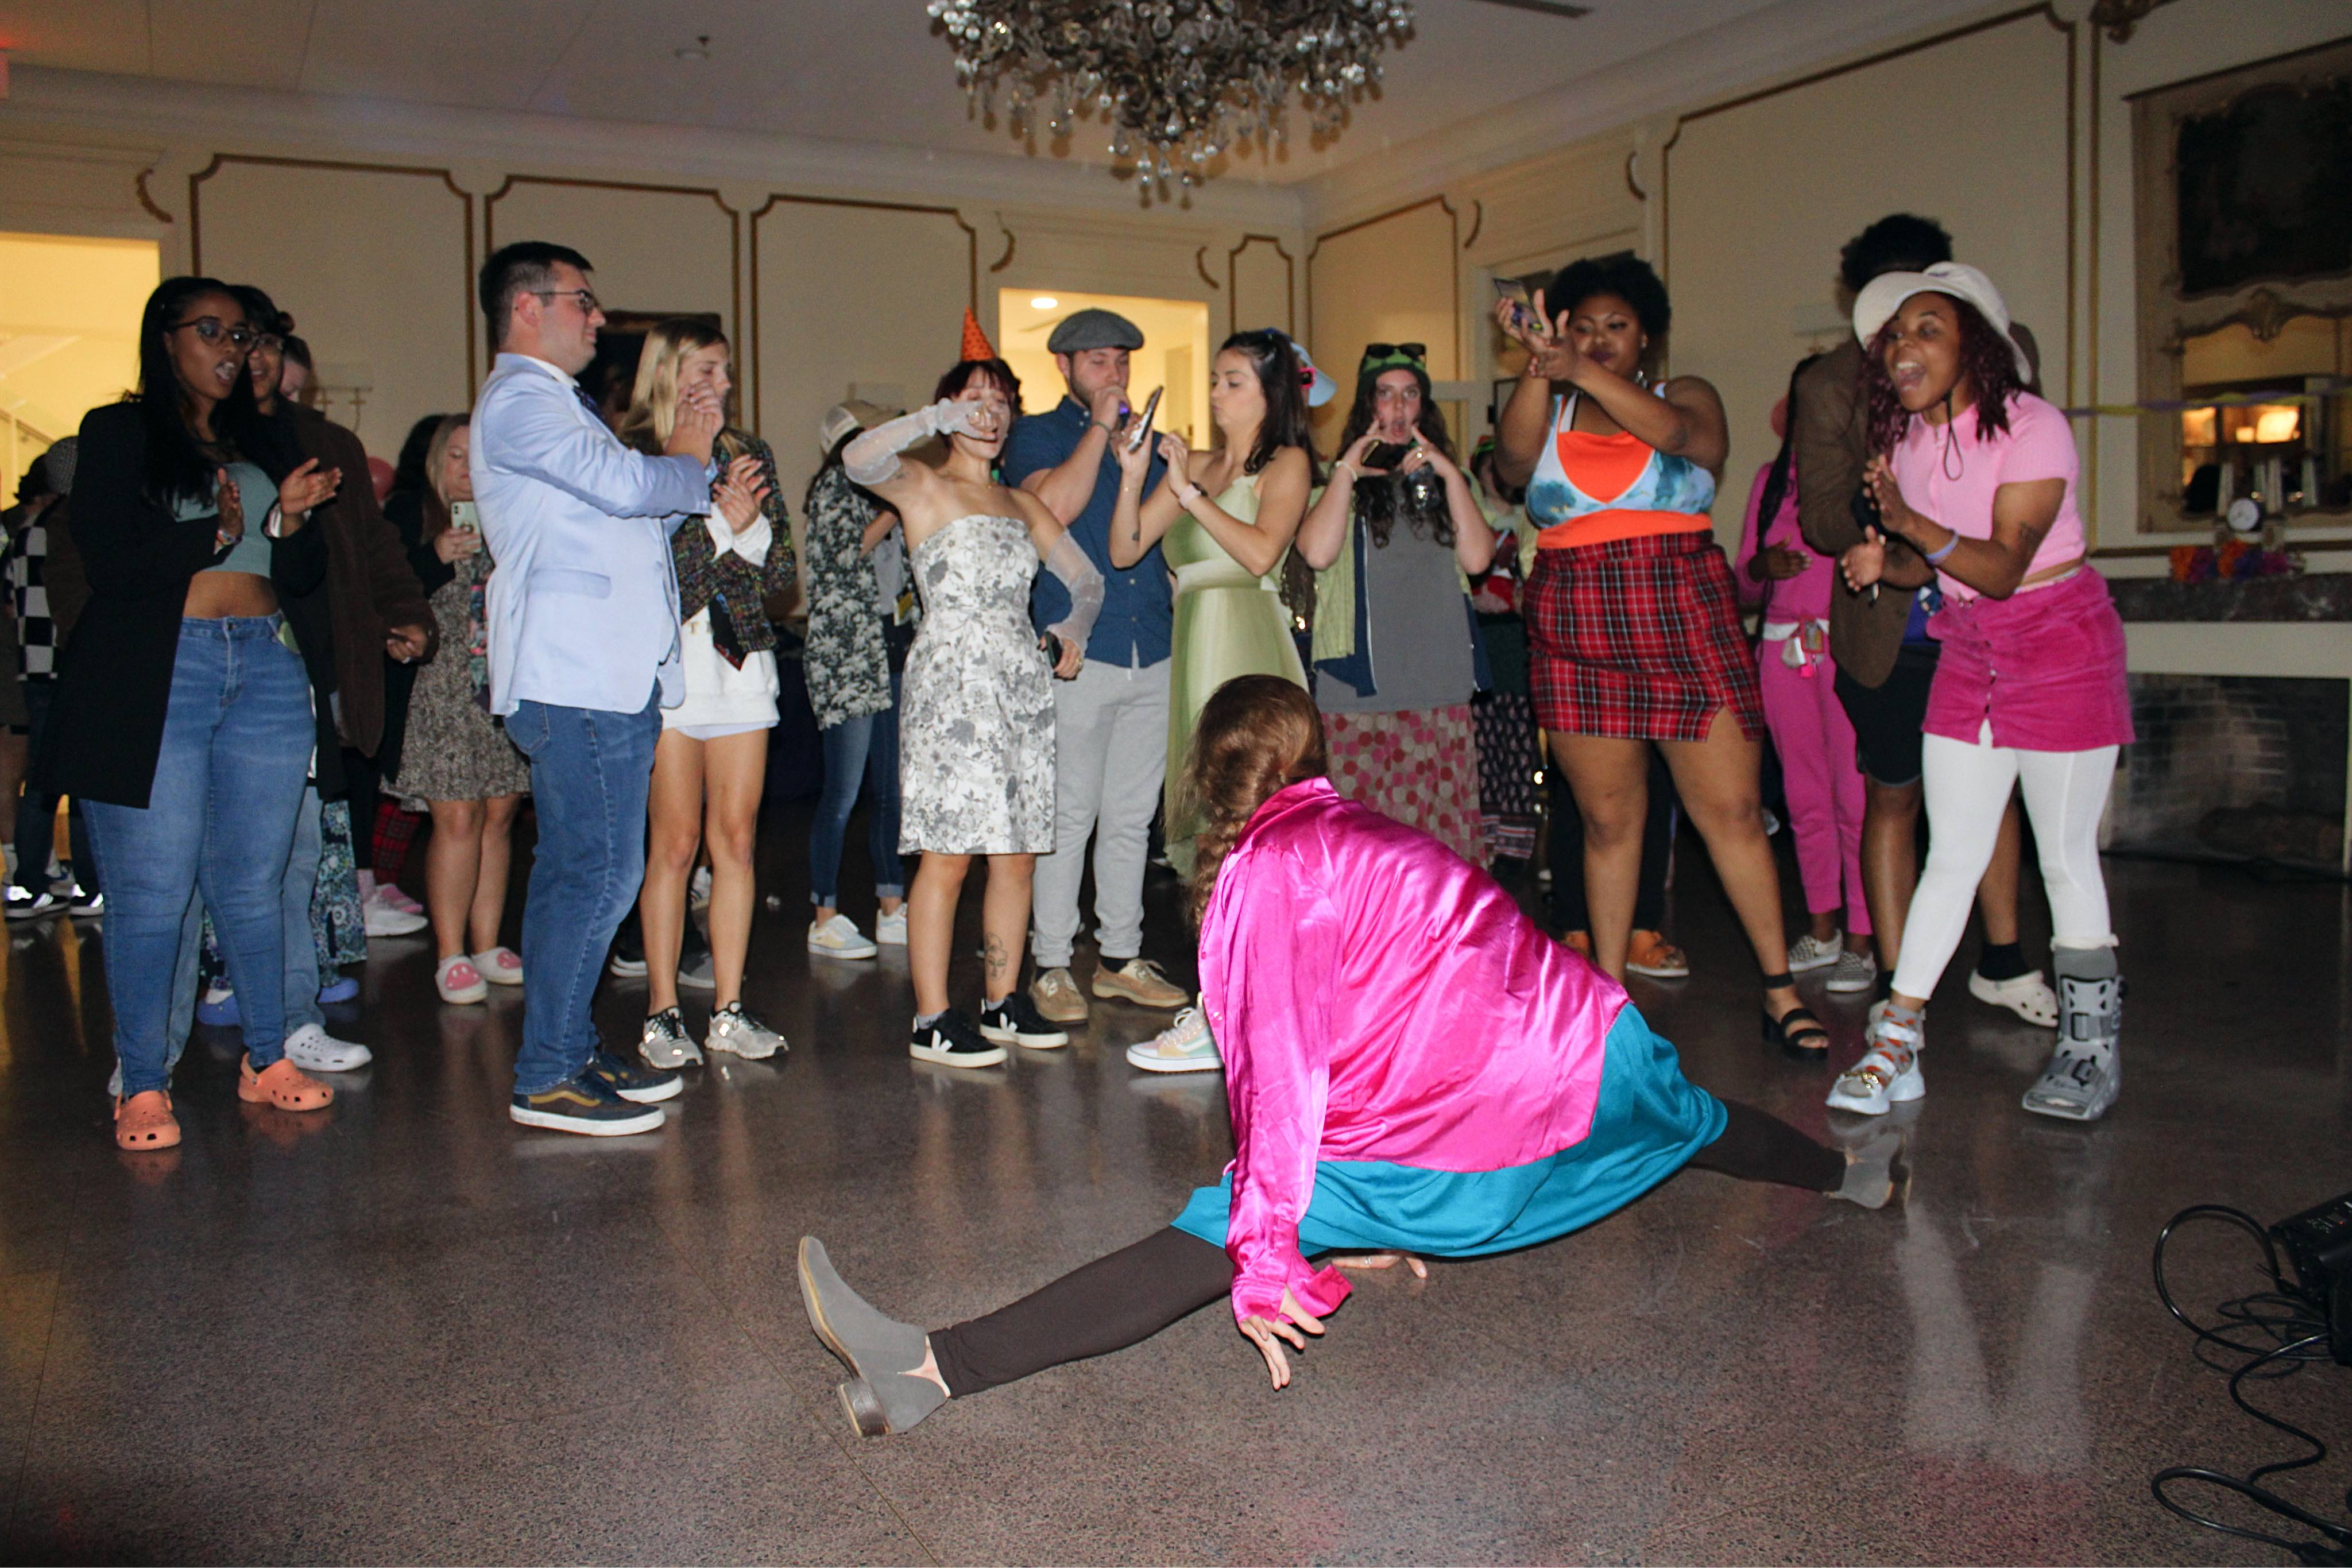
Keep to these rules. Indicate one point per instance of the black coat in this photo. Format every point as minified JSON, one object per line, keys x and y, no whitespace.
{"x":114,"y":682}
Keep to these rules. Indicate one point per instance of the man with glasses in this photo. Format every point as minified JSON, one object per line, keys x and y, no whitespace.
{"x":584,"y":655}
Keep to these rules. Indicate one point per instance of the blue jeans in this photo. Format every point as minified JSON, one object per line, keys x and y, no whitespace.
{"x":219,"y":821}
{"x":866,"y":749}
{"x":590,"y":774}
{"x":301,"y":951}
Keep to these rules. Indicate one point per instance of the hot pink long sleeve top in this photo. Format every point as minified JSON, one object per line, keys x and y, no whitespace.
{"x":1377,"y":998}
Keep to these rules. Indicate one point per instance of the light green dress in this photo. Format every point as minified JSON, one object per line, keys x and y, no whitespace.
{"x":1228,"y":623}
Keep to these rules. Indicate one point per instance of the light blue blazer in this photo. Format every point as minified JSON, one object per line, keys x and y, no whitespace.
{"x":582,"y":601}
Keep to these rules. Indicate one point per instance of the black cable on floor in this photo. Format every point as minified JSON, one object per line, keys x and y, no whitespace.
{"x":2271,"y":1333}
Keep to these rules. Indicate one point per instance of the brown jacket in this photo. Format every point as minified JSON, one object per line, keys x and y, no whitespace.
{"x":1832,"y":442}
{"x":371,"y":587}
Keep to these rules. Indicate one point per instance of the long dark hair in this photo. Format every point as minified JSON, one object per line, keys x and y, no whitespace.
{"x":1380,"y":500}
{"x":176,"y":467}
{"x":1987,"y":363}
{"x":408,"y":475}
{"x":1256,"y":734}
{"x":1278,"y":377}
{"x":1784,"y":462}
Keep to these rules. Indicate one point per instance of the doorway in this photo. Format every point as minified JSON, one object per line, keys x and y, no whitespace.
{"x":1175,"y":353}
{"x":69,"y":336}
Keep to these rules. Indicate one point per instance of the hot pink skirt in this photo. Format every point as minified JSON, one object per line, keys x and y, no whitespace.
{"x":2046,"y":666}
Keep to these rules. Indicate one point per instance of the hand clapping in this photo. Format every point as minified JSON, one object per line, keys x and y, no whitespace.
{"x":701,"y":417}
{"x":740,"y":492}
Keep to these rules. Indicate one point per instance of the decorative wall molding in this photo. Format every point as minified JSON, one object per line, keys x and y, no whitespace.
{"x":779,"y":198}
{"x":147,"y":200}
{"x":1289,"y":283}
{"x":1453,"y":252}
{"x":223,"y":159}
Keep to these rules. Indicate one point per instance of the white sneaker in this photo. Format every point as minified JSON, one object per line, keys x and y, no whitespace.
{"x":698,"y":892}
{"x":388,"y":920}
{"x":313,"y":1050}
{"x":1810,"y":952}
{"x":391,"y":893}
{"x":890,"y":929}
{"x":1888,"y":1072}
{"x":839,"y":938}
{"x":735,"y":1031}
{"x":1184,"y":1045}
{"x":1851,"y":972}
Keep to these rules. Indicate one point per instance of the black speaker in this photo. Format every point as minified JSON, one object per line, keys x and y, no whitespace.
{"x":2318,"y":1242}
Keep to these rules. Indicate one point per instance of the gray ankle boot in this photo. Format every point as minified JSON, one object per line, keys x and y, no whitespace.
{"x":2085,"y":1071}
{"x":885,"y":1395}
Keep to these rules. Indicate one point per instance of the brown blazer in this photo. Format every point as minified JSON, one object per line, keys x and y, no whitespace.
{"x":371,"y":587}
{"x":1831,"y":432}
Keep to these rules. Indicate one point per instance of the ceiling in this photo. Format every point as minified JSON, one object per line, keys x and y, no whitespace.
{"x":872,"y":71}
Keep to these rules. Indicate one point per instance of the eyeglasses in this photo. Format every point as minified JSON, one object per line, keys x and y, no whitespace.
{"x":270,"y":342}
{"x":212,"y":330}
{"x":588,"y":304}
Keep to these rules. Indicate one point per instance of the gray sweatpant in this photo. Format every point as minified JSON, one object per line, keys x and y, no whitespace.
{"x":1111,"y":754}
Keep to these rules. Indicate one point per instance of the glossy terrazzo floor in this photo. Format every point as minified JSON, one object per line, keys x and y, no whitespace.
{"x":406,"y":1330}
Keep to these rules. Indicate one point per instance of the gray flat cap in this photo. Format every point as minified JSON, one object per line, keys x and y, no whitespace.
{"x":1091,"y":329}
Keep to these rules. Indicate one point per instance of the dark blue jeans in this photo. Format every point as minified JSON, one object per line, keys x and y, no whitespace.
{"x":37,"y":811}
{"x":589,"y":773}
{"x":859,"y":749}
{"x":219,"y":821}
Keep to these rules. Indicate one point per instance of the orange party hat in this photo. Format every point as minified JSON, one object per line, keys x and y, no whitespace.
{"x":976,"y":345}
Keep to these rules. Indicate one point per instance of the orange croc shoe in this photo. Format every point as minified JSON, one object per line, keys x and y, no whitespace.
{"x":145,"y":1122}
{"x":1578,"y":942}
{"x":282,"y":1084}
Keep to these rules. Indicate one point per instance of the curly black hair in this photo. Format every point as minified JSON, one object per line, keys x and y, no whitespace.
{"x":1900,"y":241}
{"x":1625,"y":275}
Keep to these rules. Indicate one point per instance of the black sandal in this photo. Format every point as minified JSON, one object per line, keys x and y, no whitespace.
{"x":1797,"y":1031}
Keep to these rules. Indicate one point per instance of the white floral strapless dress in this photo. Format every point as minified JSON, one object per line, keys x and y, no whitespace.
{"x":976,"y":713}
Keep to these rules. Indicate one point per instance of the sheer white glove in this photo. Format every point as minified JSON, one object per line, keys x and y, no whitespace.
{"x":1070,"y":567}
{"x":873,"y":458}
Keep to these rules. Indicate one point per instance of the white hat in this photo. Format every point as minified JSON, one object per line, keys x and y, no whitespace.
{"x":843,"y":418}
{"x":1320,"y":387}
{"x":1883,"y":296}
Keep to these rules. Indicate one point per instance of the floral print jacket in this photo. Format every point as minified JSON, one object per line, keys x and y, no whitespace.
{"x":740,"y":589}
{"x":847,"y":666}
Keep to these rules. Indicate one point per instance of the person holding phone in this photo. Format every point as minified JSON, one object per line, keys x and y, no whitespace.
{"x":455,"y":760}
{"x":1632,"y":617}
{"x":1417,"y":1068}
{"x":976,"y":725}
{"x":183,"y":714}
{"x":1394,"y":539}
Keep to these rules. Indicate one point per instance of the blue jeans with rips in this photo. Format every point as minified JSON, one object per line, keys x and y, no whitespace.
{"x":219,"y":821}
{"x":590,"y":774}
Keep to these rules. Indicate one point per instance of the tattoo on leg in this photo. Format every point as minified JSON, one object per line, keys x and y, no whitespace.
{"x":997,"y":958}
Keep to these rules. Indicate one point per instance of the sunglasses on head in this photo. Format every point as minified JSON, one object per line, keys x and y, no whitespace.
{"x":1395,"y":353}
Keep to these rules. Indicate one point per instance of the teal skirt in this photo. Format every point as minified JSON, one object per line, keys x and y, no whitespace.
{"x":1649,"y":1122}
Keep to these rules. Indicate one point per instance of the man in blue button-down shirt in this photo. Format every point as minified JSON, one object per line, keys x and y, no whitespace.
{"x":584,"y":654}
{"x":1110,"y":725}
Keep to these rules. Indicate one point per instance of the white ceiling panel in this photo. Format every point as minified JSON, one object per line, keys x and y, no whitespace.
{"x":857,"y":70}
{"x":231,"y":43}
{"x":456,"y":53}
{"x":78,"y":34}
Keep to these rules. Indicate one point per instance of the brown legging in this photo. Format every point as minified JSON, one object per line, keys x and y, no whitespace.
{"x":1127,"y":1296}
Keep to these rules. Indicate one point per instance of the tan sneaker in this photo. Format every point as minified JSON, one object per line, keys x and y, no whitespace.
{"x":1139,"y":980}
{"x":1058,"y":998}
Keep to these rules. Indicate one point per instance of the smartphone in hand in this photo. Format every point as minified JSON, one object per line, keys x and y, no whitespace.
{"x":465,"y":517}
{"x":1523,"y":308}
{"x":1138,"y":430}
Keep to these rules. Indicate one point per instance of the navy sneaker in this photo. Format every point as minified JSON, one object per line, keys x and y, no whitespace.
{"x":1015,"y":1020}
{"x":639,"y":1085}
{"x":586,"y":1105}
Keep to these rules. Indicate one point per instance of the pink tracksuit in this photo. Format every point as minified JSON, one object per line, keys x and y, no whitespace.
{"x":1809,"y":726}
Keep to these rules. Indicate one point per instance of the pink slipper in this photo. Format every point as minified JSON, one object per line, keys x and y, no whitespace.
{"x":500,"y":966}
{"x":458,"y":981}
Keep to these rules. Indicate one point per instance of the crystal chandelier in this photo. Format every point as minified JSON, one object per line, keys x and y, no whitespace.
{"x":1179,"y":81}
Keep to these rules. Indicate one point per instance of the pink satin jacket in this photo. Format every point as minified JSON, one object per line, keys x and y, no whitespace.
{"x":1378,"y":998}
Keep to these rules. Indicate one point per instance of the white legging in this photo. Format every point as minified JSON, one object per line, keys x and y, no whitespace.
{"x":1967,"y":789}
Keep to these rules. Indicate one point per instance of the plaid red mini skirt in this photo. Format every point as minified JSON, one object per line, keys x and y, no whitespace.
{"x":1639,"y":638}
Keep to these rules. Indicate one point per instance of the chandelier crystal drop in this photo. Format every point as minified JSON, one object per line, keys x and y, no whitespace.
{"x":1178,"y":81}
